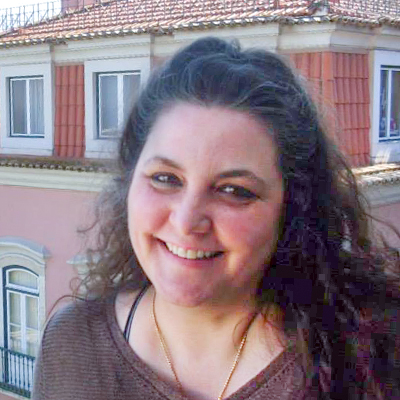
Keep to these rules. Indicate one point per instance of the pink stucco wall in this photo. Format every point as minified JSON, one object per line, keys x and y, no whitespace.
{"x":50,"y":218}
{"x":391,"y":214}
{"x":3,"y":396}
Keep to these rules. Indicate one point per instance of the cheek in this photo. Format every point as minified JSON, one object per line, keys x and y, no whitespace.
{"x":254,"y":231}
{"x":145,"y":211}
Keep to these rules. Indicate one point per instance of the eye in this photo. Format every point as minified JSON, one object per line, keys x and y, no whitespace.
{"x":238,"y":192}
{"x":165,"y":180}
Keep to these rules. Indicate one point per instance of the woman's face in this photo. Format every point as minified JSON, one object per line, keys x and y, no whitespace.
{"x":204,"y":205}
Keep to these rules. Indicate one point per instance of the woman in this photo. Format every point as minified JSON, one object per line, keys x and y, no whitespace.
{"x":235,"y":255}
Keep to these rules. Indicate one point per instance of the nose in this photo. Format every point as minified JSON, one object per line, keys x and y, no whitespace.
{"x":190,"y":215}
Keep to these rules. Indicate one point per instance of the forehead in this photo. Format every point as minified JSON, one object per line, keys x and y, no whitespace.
{"x":214,"y":135}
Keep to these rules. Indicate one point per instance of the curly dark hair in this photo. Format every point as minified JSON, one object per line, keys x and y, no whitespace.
{"x":327,"y":274}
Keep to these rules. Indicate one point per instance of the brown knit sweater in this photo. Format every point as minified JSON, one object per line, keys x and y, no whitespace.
{"x":84,"y":356}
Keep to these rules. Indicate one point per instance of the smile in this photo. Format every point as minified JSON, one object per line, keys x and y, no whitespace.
{"x":191,"y":254}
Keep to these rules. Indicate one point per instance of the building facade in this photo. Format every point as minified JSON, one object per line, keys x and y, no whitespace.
{"x":68,"y":76}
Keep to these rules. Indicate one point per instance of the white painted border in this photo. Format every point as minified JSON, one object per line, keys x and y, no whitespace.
{"x":389,"y":150}
{"x":53,"y":179}
{"x":18,"y":145}
{"x":105,"y":148}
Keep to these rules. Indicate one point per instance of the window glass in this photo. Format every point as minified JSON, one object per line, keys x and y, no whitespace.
{"x":131,"y":87}
{"x":15,"y":328}
{"x":32,"y":312}
{"x":383,"y":103}
{"x":27,"y":113}
{"x":36,"y":106}
{"x":15,"y":338}
{"x":395,"y":105}
{"x":15,"y":308}
{"x":19,"y":114}
{"x":108,"y":105}
{"x":32,"y":325}
{"x":23,"y":278}
{"x":23,"y":312}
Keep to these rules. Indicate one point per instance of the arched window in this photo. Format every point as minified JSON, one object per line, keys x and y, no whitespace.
{"x":21,"y":299}
{"x":22,"y":317}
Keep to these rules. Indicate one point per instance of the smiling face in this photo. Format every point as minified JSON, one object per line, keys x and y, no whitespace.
{"x":204,"y":205}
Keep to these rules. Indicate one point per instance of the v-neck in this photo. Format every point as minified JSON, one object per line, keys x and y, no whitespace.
{"x":269,"y":376}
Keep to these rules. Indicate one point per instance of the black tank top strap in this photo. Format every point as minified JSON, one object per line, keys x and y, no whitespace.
{"x":128,"y":325}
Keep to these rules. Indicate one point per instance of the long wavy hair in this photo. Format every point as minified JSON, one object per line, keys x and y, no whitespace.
{"x":329,"y":277}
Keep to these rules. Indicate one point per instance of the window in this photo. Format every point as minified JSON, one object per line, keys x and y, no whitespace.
{"x":21,"y":297}
{"x":22,"y":289}
{"x":110,"y":87}
{"x":115,"y":95}
{"x":26,"y":98}
{"x":385,"y":101}
{"x":389,"y":126}
{"x":26,"y":109}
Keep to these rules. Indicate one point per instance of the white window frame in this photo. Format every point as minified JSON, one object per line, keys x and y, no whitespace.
{"x":106,"y":147}
{"x":11,"y":144}
{"x":389,"y":106}
{"x":120,"y":98}
{"x":27,"y":80}
{"x":23,"y":292}
{"x":383,"y":149}
{"x":30,"y":255}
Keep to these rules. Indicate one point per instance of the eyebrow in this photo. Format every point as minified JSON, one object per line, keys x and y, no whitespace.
{"x":234,"y":173}
{"x":239,"y":173}
{"x":165,"y":161}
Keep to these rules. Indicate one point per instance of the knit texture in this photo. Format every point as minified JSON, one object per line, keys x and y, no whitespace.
{"x":84,"y":356}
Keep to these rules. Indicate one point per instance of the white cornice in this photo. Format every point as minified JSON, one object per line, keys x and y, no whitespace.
{"x":250,"y":36}
{"x":51,"y":179}
{"x":383,"y":195}
{"x":26,"y":55}
{"x":104,"y":48}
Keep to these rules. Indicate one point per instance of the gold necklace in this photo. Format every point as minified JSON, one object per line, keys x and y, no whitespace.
{"x":169,"y":360}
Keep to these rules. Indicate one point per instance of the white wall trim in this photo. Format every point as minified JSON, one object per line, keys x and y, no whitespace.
{"x":26,"y":145}
{"x":103,"y":48}
{"x":105,"y":148}
{"x":382,"y":195}
{"x":50,"y":179}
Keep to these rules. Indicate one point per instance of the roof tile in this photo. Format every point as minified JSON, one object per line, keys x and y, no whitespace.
{"x":121,"y":17}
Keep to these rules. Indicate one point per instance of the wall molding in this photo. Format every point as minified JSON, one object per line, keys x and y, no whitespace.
{"x":50,"y":179}
{"x":382,"y":195}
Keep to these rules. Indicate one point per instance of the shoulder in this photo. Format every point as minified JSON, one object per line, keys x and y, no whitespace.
{"x":80,"y":319}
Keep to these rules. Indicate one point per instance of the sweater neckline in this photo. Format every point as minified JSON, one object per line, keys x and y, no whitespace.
{"x":268,"y":377}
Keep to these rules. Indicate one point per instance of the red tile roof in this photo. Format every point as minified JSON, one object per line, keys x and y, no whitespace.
{"x":123,"y":17}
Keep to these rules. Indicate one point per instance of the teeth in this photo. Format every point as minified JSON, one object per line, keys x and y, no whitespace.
{"x":189,"y":254}
{"x":200,"y":254}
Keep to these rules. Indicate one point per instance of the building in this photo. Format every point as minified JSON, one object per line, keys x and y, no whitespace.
{"x":66,"y":78}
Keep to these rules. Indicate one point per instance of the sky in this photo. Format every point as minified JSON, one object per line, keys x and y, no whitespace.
{"x":17,"y":3}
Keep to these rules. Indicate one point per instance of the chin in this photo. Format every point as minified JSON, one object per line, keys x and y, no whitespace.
{"x":184,"y":297}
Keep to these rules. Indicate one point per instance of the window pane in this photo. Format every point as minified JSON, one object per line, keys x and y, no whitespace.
{"x":131,"y":88}
{"x":18,"y":110}
{"x":36,"y":106}
{"x":15,"y":338}
{"x":32,"y":342}
{"x":15,"y":308}
{"x":395,"y":105}
{"x":32,"y":312}
{"x":23,"y":278}
{"x":108,"y":99}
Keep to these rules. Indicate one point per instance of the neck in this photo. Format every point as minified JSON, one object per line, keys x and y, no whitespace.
{"x":206,"y":340}
{"x":200,"y":326}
